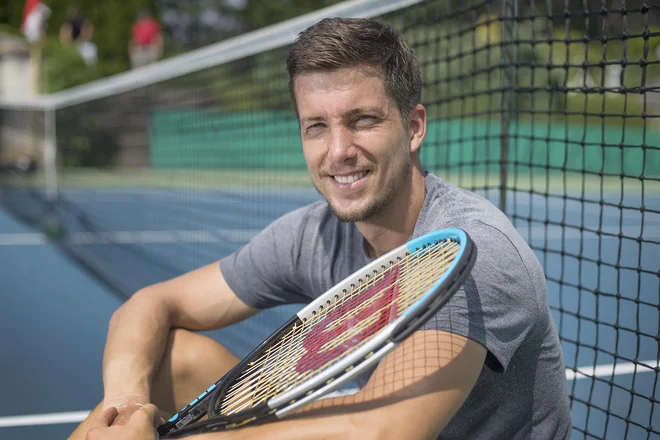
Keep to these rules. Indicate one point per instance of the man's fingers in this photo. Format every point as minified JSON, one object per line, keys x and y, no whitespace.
{"x":162,"y":417}
{"x":104,"y":418}
{"x":147,"y":415}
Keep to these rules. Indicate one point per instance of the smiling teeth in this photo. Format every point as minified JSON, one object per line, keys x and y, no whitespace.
{"x":350,"y":179}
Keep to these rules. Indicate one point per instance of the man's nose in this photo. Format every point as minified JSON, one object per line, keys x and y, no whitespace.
{"x":341,"y":148}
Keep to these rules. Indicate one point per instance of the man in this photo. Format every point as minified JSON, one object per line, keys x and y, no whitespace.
{"x":78,"y":30}
{"x":76,"y":27}
{"x":35,"y":21}
{"x":488,"y":365}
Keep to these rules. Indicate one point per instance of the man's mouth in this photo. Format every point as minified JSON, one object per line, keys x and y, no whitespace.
{"x":350,"y":178}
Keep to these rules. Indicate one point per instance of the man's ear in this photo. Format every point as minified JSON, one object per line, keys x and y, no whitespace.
{"x":417,"y":127}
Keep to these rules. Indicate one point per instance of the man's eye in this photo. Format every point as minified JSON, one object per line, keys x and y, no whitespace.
{"x":314,"y":126}
{"x":365,"y":120}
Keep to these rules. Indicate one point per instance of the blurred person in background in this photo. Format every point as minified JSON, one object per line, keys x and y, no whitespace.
{"x":33,"y":25}
{"x":78,"y":30}
{"x":35,"y":21}
{"x":146,"y":45}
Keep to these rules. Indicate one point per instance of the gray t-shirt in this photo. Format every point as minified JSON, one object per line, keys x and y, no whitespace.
{"x":521,"y":392}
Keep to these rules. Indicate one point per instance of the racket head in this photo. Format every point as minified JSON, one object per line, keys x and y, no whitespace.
{"x":235,"y":401}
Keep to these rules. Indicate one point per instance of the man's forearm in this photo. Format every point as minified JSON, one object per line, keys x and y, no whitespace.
{"x":137,"y":336}
{"x":329,"y":419}
{"x":344,"y":427}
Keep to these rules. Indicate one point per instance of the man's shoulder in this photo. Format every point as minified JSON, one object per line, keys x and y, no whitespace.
{"x":449,"y":206}
{"x":314,"y":215}
{"x":499,"y":244}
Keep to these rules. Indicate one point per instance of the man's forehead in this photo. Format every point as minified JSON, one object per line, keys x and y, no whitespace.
{"x":339,"y":79}
{"x":345,"y":90}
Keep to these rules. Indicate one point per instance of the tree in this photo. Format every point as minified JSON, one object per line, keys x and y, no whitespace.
{"x":260,"y":13}
{"x":112,"y":21}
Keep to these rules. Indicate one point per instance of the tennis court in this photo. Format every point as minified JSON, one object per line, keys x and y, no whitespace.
{"x":148,"y":174}
{"x":58,"y":314}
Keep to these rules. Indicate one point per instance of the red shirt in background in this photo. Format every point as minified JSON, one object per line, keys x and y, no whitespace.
{"x":145,"y":31}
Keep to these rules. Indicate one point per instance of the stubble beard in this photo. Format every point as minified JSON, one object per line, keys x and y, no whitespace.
{"x":376,"y":207}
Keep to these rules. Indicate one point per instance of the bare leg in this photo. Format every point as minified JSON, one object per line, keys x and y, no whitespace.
{"x":190,"y":364}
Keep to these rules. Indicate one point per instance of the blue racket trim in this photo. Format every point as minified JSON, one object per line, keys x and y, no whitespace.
{"x":208,"y":390}
{"x":457,"y":235}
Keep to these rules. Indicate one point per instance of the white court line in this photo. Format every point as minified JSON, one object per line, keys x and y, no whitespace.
{"x":651,"y":232}
{"x":151,"y":237}
{"x":43,"y":419}
{"x":244,"y":235}
{"x":611,"y":370}
{"x":135,"y":237}
{"x":25,"y":239}
{"x":78,"y":416}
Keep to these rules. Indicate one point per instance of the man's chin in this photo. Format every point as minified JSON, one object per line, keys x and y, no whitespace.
{"x":351,"y":214}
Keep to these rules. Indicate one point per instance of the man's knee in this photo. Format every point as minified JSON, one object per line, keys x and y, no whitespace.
{"x":190,"y":355}
{"x":191,"y":362}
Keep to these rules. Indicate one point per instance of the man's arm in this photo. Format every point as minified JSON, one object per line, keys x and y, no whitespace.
{"x":413,"y":394}
{"x":138,"y":331}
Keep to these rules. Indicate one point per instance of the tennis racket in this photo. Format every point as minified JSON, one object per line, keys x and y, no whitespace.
{"x":335,"y":338}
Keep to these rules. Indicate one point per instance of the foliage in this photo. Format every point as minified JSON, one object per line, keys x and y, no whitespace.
{"x":470,"y":40}
{"x":63,"y":67}
{"x":260,"y":13}
{"x":112,"y":21}
{"x":8,"y":29}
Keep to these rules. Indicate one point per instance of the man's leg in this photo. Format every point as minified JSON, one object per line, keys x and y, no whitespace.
{"x":190,"y":364}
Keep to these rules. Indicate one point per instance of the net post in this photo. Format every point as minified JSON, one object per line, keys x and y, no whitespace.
{"x":50,"y":155}
{"x":509,"y":31}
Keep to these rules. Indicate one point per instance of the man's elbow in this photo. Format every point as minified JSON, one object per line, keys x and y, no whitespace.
{"x":145,"y":301}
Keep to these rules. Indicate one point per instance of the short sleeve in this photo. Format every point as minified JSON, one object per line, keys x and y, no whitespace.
{"x":263,"y":272}
{"x":497,"y":305}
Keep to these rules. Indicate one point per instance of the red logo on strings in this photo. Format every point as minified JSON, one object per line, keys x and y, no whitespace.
{"x":315,"y":356}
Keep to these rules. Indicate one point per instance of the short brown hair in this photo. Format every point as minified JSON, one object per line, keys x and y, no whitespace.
{"x":335,"y":43}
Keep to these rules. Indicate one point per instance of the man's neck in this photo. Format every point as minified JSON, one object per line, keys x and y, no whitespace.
{"x":397,"y":223}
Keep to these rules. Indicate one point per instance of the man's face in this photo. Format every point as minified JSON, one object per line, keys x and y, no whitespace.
{"x":357,"y":148}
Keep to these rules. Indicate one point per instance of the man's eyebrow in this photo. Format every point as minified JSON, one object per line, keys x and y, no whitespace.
{"x":312,"y":119}
{"x":375,"y":110}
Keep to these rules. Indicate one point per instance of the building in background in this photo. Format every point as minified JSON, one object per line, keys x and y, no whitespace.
{"x":18,"y":75}
{"x":19,"y":149}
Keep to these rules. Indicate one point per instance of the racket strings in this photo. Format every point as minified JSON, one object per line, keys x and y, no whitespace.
{"x":279,"y":369}
{"x":274,"y":359}
{"x":269,"y":362}
{"x":340,"y":327}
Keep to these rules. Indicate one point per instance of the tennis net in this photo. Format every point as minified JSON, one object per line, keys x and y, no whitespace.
{"x":550,"y":109}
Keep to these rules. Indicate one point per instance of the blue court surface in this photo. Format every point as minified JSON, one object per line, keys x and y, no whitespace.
{"x":55,"y":314}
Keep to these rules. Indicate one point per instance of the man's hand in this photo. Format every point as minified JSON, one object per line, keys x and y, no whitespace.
{"x":125,"y":406}
{"x":141,"y":425}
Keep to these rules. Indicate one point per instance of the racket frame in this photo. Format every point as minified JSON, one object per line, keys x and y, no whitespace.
{"x":350,"y":366}
{"x":365,"y":356}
